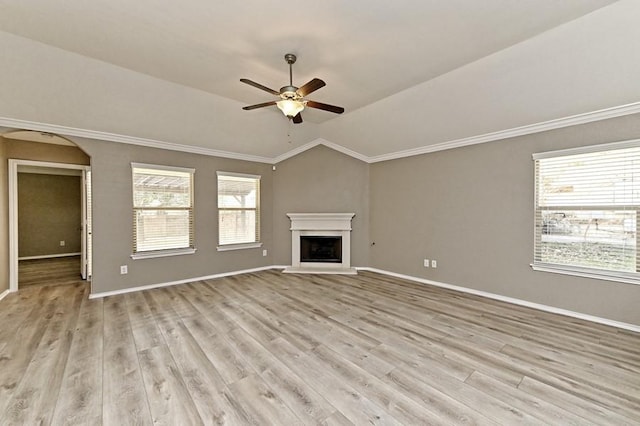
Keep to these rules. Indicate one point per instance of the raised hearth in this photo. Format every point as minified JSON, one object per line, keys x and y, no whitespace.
{"x":321,"y":243}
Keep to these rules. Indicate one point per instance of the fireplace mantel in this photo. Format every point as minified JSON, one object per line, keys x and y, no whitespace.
{"x":321,"y":224}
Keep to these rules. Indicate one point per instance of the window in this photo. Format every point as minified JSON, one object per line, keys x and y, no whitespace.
{"x":586,"y":211}
{"x":162,"y":210}
{"x":238,"y":211}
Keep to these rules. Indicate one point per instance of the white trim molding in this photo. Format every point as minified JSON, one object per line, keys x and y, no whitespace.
{"x":512,"y":300}
{"x":162,"y":253}
{"x":49,"y":256}
{"x":185,"y":281}
{"x":131,"y":140}
{"x":13,"y":165}
{"x":4,"y":294}
{"x":573,"y":120}
{"x":241,"y":246}
{"x":316,"y":142}
{"x":321,"y":225}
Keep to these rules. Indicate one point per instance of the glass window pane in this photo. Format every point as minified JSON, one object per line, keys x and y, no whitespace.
{"x":238,"y":208}
{"x":162,"y":229}
{"x":589,"y":238}
{"x":237,"y":226}
{"x":161,"y":190}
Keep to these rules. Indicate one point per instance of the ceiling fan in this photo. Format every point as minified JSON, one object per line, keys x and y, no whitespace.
{"x":292,"y":99}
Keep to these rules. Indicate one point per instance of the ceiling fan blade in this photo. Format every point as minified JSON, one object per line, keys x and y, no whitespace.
{"x":297,"y":118}
{"x":326,"y":107}
{"x":311,"y":86}
{"x":259,"y":86}
{"x":262,"y":105}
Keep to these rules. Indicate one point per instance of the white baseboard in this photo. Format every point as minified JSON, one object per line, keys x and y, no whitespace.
{"x":520,"y":302}
{"x":49,"y":256}
{"x":188,"y":280}
{"x":4,"y":294}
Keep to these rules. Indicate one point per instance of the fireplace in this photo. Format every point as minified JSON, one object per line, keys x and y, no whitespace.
{"x":321,"y":243}
{"x":321,"y":249}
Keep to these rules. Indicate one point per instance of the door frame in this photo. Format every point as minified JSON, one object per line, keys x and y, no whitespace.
{"x":13,"y":214}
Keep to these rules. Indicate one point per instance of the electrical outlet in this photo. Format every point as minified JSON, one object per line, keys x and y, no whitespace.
{"x":426,"y":263}
{"x":264,"y":252}
{"x":124,"y":270}
{"x":62,"y":243}
{"x":434,"y":263}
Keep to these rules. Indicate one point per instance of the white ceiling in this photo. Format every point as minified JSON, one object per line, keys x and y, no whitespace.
{"x":365,"y":51}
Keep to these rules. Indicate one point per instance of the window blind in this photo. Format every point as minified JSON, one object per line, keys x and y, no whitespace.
{"x":162,"y":208}
{"x":238,"y":208}
{"x":586,"y":210}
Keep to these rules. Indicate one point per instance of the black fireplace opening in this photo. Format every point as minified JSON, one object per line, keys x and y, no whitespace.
{"x":321,"y":249}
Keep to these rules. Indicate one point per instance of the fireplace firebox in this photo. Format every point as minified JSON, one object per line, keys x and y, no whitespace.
{"x":327,"y":249}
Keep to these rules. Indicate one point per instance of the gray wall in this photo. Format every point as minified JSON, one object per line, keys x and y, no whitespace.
{"x":49,"y":211}
{"x":112,"y":217}
{"x":471,"y":209}
{"x":321,"y":180}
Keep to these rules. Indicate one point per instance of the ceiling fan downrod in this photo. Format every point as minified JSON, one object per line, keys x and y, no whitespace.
{"x":291,"y":59}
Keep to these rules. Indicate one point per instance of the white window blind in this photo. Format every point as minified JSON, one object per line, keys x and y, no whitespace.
{"x":587,"y":211}
{"x":238,"y":208}
{"x":162,"y":208}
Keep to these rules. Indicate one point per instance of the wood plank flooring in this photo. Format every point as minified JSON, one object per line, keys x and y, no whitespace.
{"x":271,"y":348}
{"x":51,"y":271}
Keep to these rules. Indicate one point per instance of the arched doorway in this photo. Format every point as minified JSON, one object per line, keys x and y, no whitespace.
{"x":30,"y":145}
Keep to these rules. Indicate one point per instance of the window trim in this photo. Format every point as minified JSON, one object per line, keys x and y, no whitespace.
{"x":240,"y":246}
{"x":149,"y":254}
{"x":579,"y":271}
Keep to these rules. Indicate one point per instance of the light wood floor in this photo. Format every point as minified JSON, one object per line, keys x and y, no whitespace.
{"x":52,"y":271}
{"x":269,"y":348}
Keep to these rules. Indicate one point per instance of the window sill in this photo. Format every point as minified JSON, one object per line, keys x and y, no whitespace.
{"x":162,"y":253}
{"x":621,"y":277}
{"x":230,"y":247}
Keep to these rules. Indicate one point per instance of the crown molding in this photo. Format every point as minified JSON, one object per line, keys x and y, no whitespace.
{"x":315,"y":143}
{"x":603,"y":114}
{"x":132,"y":140}
{"x":573,"y":120}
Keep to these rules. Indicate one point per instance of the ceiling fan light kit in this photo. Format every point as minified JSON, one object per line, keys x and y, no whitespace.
{"x":292,"y":99}
{"x":290,"y":107}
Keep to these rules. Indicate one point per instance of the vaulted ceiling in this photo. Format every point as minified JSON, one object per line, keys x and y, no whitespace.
{"x":409,"y":74}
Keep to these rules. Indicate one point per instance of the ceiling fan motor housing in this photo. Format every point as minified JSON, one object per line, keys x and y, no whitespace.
{"x":289,"y":92}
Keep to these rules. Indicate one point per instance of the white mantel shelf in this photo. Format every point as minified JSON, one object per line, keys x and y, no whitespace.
{"x":321,"y":224}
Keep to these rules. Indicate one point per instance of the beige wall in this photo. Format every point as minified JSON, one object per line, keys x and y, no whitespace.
{"x":112,"y":217}
{"x":321,"y":180}
{"x":4,"y":218}
{"x":49,"y":211}
{"x":21,"y":150}
{"x":471,"y":209}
